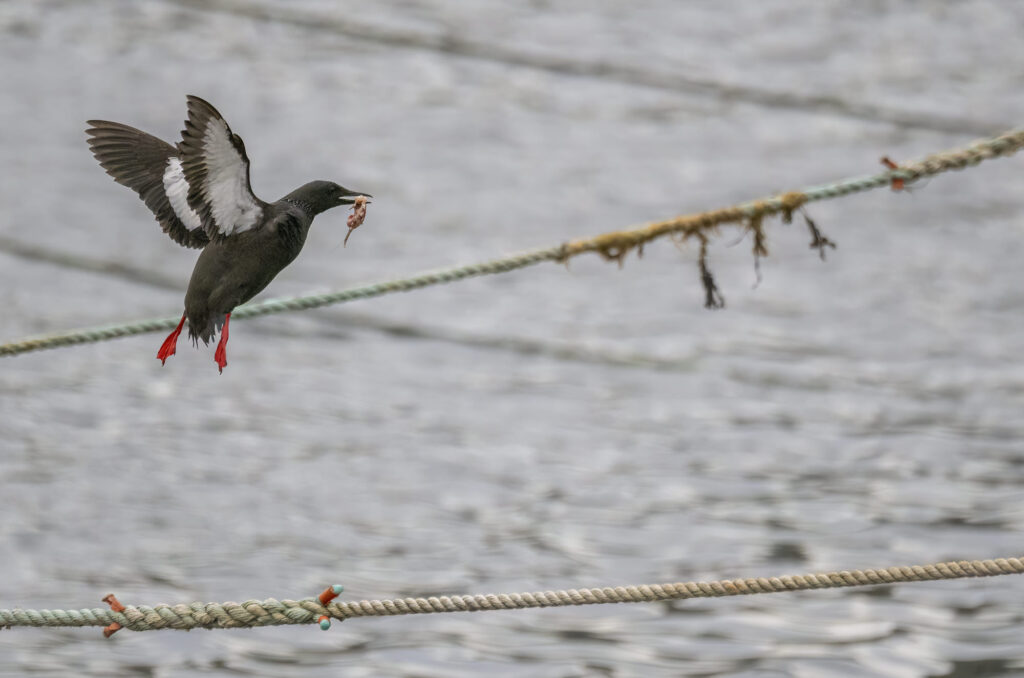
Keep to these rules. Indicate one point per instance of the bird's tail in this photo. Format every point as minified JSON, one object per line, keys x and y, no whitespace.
{"x":204,"y":326}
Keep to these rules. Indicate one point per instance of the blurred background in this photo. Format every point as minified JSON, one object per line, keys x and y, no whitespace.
{"x":553,"y":427}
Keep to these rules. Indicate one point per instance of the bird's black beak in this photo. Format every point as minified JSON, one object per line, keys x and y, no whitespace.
{"x":349,"y":197}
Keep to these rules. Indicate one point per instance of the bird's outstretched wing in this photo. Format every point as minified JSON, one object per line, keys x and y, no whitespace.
{"x":151,"y":168}
{"x":217,"y":172}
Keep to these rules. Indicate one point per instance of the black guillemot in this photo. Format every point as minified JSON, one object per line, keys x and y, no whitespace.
{"x":199,"y":191}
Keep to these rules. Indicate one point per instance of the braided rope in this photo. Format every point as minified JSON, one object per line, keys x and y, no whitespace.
{"x":103,"y":333}
{"x":614,"y":245}
{"x":272,"y":612}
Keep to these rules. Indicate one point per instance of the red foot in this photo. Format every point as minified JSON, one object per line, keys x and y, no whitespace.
{"x":221,"y":354}
{"x":170,"y":343}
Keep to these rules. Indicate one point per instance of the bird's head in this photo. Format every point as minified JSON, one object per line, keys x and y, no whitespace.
{"x":321,"y":196}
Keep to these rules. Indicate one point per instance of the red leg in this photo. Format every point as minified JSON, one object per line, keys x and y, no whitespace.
{"x":170,"y":343}
{"x":221,"y":354}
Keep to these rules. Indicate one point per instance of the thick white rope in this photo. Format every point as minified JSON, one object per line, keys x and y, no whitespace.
{"x":273,"y":612}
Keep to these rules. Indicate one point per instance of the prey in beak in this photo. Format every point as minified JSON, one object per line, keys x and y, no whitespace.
{"x":355,"y":220}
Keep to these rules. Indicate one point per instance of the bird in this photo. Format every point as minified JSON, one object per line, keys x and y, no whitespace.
{"x":199,"y":191}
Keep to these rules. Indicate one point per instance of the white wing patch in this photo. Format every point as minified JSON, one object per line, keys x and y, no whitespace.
{"x":176,"y":189}
{"x":225,"y":188}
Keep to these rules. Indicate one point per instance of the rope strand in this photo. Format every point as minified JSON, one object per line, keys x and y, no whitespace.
{"x":613,"y":246}
{"x":273,"y":612}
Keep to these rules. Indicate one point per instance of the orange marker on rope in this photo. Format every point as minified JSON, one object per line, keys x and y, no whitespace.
{"x":116,"y":606}
{"x":326,"y":596}
{"x":897,"y":184}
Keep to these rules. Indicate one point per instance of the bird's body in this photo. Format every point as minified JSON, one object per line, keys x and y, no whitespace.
{"x":230,"y":272}
{"x":200,"y":194}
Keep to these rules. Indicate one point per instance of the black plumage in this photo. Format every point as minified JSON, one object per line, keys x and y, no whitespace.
{"x":199,"y":191}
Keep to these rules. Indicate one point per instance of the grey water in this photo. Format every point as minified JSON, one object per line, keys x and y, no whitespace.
{"x":554,"y":427}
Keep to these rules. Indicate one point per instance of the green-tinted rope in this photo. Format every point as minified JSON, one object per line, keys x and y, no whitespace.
{"x":447,"y":275}
{"x":611,"y":245}
{"x":273,"y":612}
{"x":103,"y":333}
